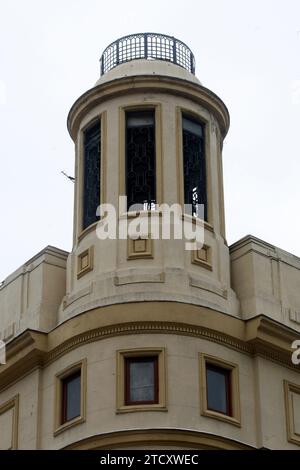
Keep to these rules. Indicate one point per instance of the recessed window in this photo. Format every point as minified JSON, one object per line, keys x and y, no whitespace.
{"x":71,"y":397}
{"x":140,"y":160}
{"x":219,"y":386}
{"x":194,"y":170}
{"x":218,"y":382}
{"x":91,"y":173}
{"x":141,"y":380}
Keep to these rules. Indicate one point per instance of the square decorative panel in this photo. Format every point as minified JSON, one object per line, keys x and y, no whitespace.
{"x":140,"y":248}
{"x":292,"y":409}
{"x":202,"y":257}
{"x":85,"y":262}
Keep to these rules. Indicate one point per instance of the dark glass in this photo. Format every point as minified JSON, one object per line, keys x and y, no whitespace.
{"x":140,"y":160}
{"x":218,"y":389}
{"x":194,"y":166}
{"x":71,"y":388}
{"x":141,"y":380}
{"x":91,"y":171}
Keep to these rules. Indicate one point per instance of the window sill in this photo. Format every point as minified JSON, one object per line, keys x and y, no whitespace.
{"x":135,"y":408}
{"x":69,"y":424}
{"x":221,"y":417}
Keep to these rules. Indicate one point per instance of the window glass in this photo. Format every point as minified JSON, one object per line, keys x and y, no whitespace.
{"x":140,"y":160}
{"x":71,"y":397}
{"x":91,"y":172}
{"x":194,"y":170}
{"x":218,"y":389}
{"x":141,"y":380}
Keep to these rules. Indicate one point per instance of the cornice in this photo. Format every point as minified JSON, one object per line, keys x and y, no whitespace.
{"x":143,"y":84}
{"x":259,"y":336}
{"x":158,"y":436}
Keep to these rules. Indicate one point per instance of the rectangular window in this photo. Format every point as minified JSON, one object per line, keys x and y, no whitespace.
{"x":140,"y":160}
{"x":194,"y":171}
{"x":71,"y":397}
{"x":91,"y":173}
{"x":219,"y":389}
{"x":141,"y":380}
{"x":218,"y":382}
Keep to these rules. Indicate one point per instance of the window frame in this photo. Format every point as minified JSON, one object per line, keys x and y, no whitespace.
{"x":77,"y":368}
{"x":140,"y":113}
{"x":290,"y":388}
{"x":12,"y":404}
{"x":140,"y":107}
{"x":234,"y":396}
{"x":202,"y":161}
{"x":79,"y":189}
{"x":228,"y":387}
{"x":194,"y":116}
{"x":128,"y":361}
{"x":121,"y":405}
{"x":64,"y":395}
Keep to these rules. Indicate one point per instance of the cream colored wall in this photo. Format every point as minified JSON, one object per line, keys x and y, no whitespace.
{"x":28,"y":414}
{"x":266,"y":280}
{"x":170,"y":275}
{"x":272,"y":404}
{"x":147,"y":67}
{"x":261,"y":391}
{"x":183,"y":395}
{"x":30,"y":297}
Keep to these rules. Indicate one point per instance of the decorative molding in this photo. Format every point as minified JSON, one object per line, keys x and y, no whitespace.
{"x":141,"y":438}
{"x":13,"y":405}
{"x":143,"y":84}
{"x":208,"y":286}
{"x":235,"y":418}
{"x":139,"y":278}
{"x":140,"y":248}
{"x":162,"y":380}
{"x":202,"y":257}
{"x":70,"y":299}
{"x":78,"y":366}
{"x":259,"y":336}
{"x":293,"y":434}
{"x":85,"y":262}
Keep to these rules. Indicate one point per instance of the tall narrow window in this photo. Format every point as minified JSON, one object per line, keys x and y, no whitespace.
{"x":194,"y":166}
{"x":218,"y":382}
{"x":71,"y":397}
{"x":141,"y":380}
{"x":92,"y":171}
{"x":140,"y":160}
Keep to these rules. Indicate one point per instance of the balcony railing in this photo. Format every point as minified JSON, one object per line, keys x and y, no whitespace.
{"x":147,"y":46}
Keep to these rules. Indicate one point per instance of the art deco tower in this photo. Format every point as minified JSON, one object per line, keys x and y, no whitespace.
{"x":139,"y":342}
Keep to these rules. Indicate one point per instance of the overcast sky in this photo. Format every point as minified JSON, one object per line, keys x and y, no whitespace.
{"x":247,"y":51}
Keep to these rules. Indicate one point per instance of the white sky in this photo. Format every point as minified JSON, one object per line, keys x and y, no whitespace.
{"x":247,"y":51}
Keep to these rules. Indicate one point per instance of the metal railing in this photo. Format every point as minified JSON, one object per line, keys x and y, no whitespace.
{"x":147,"y":46}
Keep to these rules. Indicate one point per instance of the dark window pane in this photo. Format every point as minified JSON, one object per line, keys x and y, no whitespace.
{"x":141,"y":380}
{"x":218,"y":389}
{"x":140,"y":160}
{"x":92,"y":171}
{"x":71,"y":397}
{"x":194,"y":165}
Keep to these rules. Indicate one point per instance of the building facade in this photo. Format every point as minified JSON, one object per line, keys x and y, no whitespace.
{"x":139,"y":342}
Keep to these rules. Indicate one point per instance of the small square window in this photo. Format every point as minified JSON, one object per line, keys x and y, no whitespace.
{"x":71,"y":397}
{"x":141,"y":380}
{"x":219,"y":385}
{"x":218,"y":381}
